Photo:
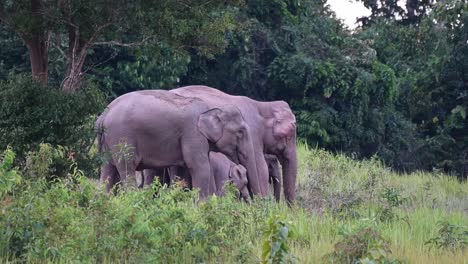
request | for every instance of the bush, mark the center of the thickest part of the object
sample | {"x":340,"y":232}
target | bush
{"x":9,"y":177}
{"x":48,"y":162}
{"x":275,"y":247}
{"x":391,"y":199}
{"x":73,"y":220}
{"x":363,"y":246}
{"x":31,"y":114}
{"x":450,"y":236}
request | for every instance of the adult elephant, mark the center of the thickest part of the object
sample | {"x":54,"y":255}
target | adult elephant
{"x":155,"y":129}
{"x":273,"y":127}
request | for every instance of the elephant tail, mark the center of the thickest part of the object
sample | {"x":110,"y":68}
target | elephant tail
{"x":100,"y":133}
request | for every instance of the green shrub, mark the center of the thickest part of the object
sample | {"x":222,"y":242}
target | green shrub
{"x":48,"y":162}
{"x":362,"y":246}
{"x":9,"y":176}
{"x":391,"y":199}
{"x":275,"y":246}
{"x":31,"y":114}
{"x":74,"y":220}
{"x":450,"y":236}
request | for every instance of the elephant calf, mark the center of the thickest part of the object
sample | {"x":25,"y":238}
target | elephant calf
{"x":224,"y":170}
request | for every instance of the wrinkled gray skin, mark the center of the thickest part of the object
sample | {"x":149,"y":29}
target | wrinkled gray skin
{"x":224,"y":171}
{"x":273,"y":127}
{"x":147,"y":176}
{"x":217,"y":160}
{"x":159,"y":129}
{"x":274,"y":171}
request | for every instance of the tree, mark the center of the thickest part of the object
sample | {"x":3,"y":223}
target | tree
{"x":297,"y":51}
{"x":430,"y":63}
{"x":407,"y":12}
{"x":76,"y":27}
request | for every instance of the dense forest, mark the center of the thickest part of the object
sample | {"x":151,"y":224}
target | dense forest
{"x":378,"y":170}
{"x":395,"y":87}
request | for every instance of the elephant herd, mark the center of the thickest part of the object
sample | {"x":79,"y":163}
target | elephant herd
{"x":205,"y":134}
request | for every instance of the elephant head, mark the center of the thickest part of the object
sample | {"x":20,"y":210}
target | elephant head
{"x":227,"y":129}
{"x":238,"y":176}
{"x":280,"y":139}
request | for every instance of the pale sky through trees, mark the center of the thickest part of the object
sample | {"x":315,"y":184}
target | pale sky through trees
{"x":348,"y":11}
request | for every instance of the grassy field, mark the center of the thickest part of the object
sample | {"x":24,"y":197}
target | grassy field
{"x":346,"y":211}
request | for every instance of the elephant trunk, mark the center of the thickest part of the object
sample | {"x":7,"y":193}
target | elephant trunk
{"x":289,"y":164}
{"x":244,"y":194}
{"x":247,"y":159}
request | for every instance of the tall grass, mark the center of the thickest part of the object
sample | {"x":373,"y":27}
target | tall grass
{"x":73,"y":220}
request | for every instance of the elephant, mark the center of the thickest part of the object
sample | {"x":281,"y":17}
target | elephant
{"x":274,"y":171}
{"x":273,"y":127}
{"x":224,"y":171}
{"x":155,"y":129}
{"x":147,"y":176}
{"x":168,"y":175}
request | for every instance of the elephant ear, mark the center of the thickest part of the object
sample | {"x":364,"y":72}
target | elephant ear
{"x":210,"y":124}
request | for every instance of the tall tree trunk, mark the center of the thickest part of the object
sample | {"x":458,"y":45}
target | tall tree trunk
{"x":39,"y":57}
{"x":37,"y":43}
{"x":74,"y":78}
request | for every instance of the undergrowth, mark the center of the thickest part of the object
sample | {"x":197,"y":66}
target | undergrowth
{"x":347,"y":212}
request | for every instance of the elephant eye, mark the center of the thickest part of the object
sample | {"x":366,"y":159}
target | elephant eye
{"x":240,"y":133}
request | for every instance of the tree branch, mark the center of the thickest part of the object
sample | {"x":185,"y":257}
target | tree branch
{"x":121,"y":44}
{"x":95,"y":65}
{"x":57,"y":46}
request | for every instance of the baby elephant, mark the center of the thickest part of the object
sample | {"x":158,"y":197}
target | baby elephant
{"x":224,"y":170}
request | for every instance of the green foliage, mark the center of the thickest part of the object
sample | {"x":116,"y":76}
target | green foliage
{"x":275,"y":246}
{"x":31,"y":114}
{"x":408,"y":12}
{"x":392,"y":200}
{"x":194,"y":26}
{"x":362,"y":246}
{"x":9,"y":176}
{"x":343,"y":96}
{"x":13,"y":55}
{"x":73,"y":219}
{"x":49,"y":162}
{"x":151,"y":67}
{"x":451,"y":237}
{"x":394,"y":88}
{"x":392,"y":197}
{"x":429,"y":61}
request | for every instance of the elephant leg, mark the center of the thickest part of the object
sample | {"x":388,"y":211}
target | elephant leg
{"x":185,"y":175}
{"x":127,"y":172}
{"x":172,"y":173}
{"x":163,"y":176}
{"x":110,"y":176}
{"x":195,"y":154}
{"x":148,"y":176}
{"x":140,"y":178}
{"x":181,"y":173}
